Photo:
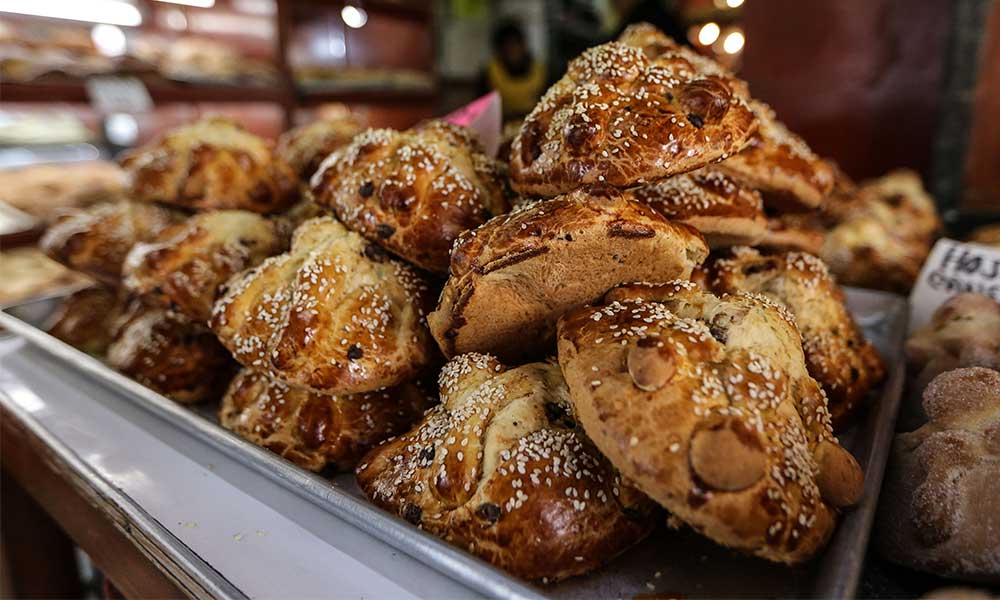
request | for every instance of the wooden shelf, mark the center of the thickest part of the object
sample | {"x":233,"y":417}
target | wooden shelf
{"x":160,"y":90}
{"x":308,"y":96}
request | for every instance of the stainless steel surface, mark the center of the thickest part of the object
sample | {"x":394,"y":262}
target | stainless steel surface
{"x":670,"y":562}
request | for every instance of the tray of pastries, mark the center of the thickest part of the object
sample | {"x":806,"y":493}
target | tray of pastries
{"x":605,"y":367}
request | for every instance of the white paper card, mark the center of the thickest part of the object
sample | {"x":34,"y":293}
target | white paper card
{"x":952,"y":268}
{"x":118,"y":94}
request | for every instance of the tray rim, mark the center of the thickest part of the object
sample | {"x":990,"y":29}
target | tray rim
{"x":832,"y":580}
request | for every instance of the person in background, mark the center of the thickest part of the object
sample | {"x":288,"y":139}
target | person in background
{"x":513,"y":72}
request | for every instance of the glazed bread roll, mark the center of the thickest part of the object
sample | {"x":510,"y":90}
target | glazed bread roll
{"x":305,"y":147}
{"x":501,"y":469}
{"x":86,"y":319}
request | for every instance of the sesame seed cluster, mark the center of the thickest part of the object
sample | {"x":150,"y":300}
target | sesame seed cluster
{"x":501,"y":468}
{"x":837,"y":354}
{"x":704,"y":402}
{"x":211,"y":164}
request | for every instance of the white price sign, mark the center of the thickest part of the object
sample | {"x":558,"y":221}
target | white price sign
{"x":952,"y":268}
{"x":118,"y":94}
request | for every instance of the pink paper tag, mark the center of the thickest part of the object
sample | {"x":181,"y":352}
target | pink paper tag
{"x":482,"y":115}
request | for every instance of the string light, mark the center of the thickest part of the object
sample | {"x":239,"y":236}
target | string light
{"x":733,"y":43}
{"x":708,"y":33}
{"x":353,"y":16}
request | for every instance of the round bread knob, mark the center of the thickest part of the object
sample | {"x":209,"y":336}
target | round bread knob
{"x":839,"y":478}
{"x":649,"y":366}
{"x":727,"y":459}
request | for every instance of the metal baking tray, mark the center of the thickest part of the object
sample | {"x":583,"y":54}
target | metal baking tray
{"x":669,"y":563}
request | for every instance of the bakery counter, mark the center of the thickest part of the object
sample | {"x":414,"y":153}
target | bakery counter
{"x":162,"y":514}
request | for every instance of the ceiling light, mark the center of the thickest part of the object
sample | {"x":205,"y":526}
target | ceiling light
{"x":354,"y":17}
{"x":114,"y":12}
{"x":197,"y":3}
{"x":708,"y":33}
{"x":733,"y":43}
{"x":109,"y":39}
{"x":734,"y":3}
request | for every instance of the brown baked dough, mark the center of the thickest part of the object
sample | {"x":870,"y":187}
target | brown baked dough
{"x":837,"y":354}
{"x":726,"y":212}
{"x":988,"y":235}
{"x":801,"y":232}
{"x":500,"y":468}
{"x":86,"y":318}
{"x":626,"y":114}
{"x":185,"y":265}
{"x":938,"y":505}
{"x":704,"y":403}
{"x":212,"y":164}
{"x":304,"y":148}
{"x":95,"y":240}
{"x":312,"y":430}
{"x":335,"y":314}
{"x":513,"y":277}
{"x":412,"y":191}
{"x":163,"y":350}
{"x":781,"y":165}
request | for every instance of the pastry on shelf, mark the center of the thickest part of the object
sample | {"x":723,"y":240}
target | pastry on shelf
{"x":28,"y":273}
{"x":412,"y":191}
{"x":501,"y":468}
{"x":316,"y":431}
{"x":725,"y":211}
{"x":305,"y":147}
{"x":937,"y":510}
{"x":705,"y":404}
{"x":86,"y":319}
{"x":513,"y":277}
{"x":211,"y":164}
{"x":837,"y":354}
{"x":988,"y":235}
{"x":335,"y":314}
{"x":96,"y":240}
{"x":629,"y":112}
{"x":780,"y":164}
{"x":164,"y":351}
{"x":44,"y":191}
{"x":802,"y":232}
{"x":186,"y":264}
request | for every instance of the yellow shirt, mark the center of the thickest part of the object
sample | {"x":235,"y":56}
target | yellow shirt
{"x":518,"y":95}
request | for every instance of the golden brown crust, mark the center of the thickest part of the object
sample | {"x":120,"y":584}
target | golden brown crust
{"x":335,"y":314}
{"x":412,"y":191}
{"x":726,"y":212}
{"x":166,"y":352}
{"x":625,"y":114}
{"x":499,"y":468}
{"x":86,"y":317}
{"x":304,"y":148}
{"x":781,"y":165}
{"x":513,"y":277}
{"x":211,"y":164}
{"x":988,"y":235}
{"x":837,"y":354}
{"x":704,"y":403}
{"x":938,"y":506}
{"x":802,"y":232}
{"x":185,"y":265}
{"x":316,"y":431}
{"x":96,"y":240}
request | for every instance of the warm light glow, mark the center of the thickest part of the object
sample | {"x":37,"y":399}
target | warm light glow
{"x":109,"y":39}
{"x":194,"y":3}
{"x":175,"y":19}
{"x":354,"y":17}
{"x":115,"y":12}
{"x":733,"y":43}
{"x":708,"y":33}
{"x":734,"y":3}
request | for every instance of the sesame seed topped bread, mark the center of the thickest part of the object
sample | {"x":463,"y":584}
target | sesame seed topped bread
{"x":335,"y":314}
{"x":185,"y":265}
{"x":938,"y":508}
{"x":501,"y":468}
{"x":96,"y":240}
{"x":627,"y":114}
{"x":725,"y":211}
{"x":513,"y":277}
{"x":781,"y":165}
{"x":837,"y":354}
{"x":164,"y":351}
{"x":312,"y":430}
{"x":412,"y":191}
{"x":211,"y":164}
{"x":704,"y":403}
{"x":306,"y":146}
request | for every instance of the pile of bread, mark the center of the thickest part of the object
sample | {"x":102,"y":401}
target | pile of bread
{"x":595,"y":366}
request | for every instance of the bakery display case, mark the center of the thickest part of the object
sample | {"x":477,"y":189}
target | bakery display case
{"x":530,"y":299}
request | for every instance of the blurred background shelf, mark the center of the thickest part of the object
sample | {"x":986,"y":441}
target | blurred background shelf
{"x":160,"y":90}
